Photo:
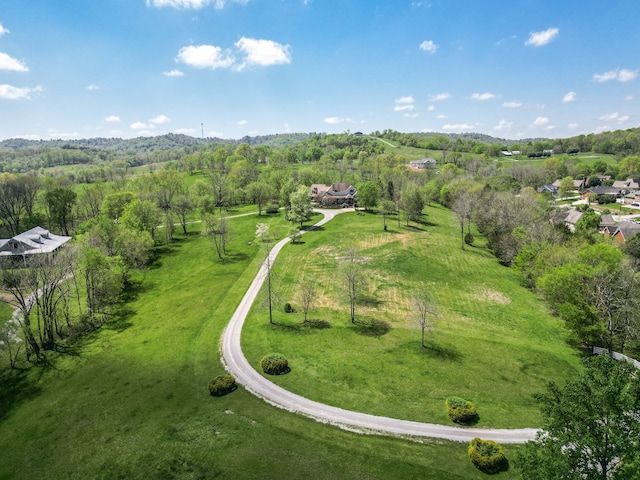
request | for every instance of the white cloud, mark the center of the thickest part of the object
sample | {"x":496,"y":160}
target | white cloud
{"x":112,"y":119}
{"x":621,"y":75}
{"x":336,"y":120}
{"x":63,"y":135}
{"x":263,"y":52}
{"x":431,"y":108}
{"x":141,"y":126}
{"x":503,"y":126}
{"x":205,"y":56}
{"x":540,"y":122}
{"x":458,"y":127}
{"x":482,"y":96}
{"x":442,"y":117}
{"x":429,"y":46}
{"x":404,"y":100}
{"x":569,"y":97}
{"x":512,"y":104}
{"x":9,"y":63}
{"x":185,"y":131}
{"x":9,"y":92}
{"x":629,"y":97}
{"x":609,"y":116}
{"x":242,"y":123}
{"x":195,"y":4}
{"x":159,"y":119}
{"x":538,"y":39}
{"x":173,"y":73}
{"x":411,"y":115}
{"x":438,"y":97}
{"x":572,"y":126}
{"x":3,"y":31}
{"x":403,"y":108}
{"x":93,"y":87}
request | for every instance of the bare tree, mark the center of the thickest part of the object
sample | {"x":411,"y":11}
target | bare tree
{"x":424,"y":310}
{"x":216,"y":228}
{"x":463,"y":206}
{"x":353,"y":278}
{"x":307,"y":294}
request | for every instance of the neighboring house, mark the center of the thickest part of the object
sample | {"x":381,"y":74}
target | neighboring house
{"x":601,"y":190}
{"x":32,"y":242}
{"x":577,"y":184}
{"x":607,"y":221}
{"x":424,"y":164}
{"x":336,"y":195}
{"x":628,"y":185}
{"x":568,"y":218}
{"x":552,"y":189}
{"x":624,"y":231}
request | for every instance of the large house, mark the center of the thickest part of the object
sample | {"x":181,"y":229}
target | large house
{"x":32,"y":242}
{"x":337,"y":195}
{"x":424,"y":164}
{"x":623,"y":231}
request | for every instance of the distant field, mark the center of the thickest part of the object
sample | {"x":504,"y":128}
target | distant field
{"x":494,"y":342}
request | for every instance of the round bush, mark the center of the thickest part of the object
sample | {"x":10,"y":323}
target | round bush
{"x":288,"y":308}
{"x":468,"y":239}
{"x":461,"y":410}
{"x":272,"y":209}
{"x":275,"y":364}
{"x":222,"y":384}
{"x":487,"y":455}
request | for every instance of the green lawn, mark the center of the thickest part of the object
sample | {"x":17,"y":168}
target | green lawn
{"x":130,"y":401}
{"x":494,"y":342}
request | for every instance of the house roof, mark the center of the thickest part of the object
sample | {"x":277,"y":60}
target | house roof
{"x":549,"y":188}
{"x":607,"y":220}
{"x":573,"y":216}
{"x":628,"y":184}
{"x":627,"y":229}
{"x":604,"y":190}
{"x":34,"y":241}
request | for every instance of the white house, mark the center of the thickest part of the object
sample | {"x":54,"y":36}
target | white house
{"x":32,"y":242}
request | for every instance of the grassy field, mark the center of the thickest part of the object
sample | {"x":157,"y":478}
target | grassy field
{"x":130,"y":401}
{"x":493,"y":343}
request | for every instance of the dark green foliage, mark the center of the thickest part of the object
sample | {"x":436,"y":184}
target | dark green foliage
{"x":468,"y":239}
{"x":460,"y":410}
{"x":271,"y":209}
{"x":487,"y":455}
{"x":222,"y":384}
{"x":275,"y":364}
{"x":288,"y":308}
{"x":590,"y":427}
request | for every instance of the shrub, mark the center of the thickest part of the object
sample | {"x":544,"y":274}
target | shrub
{"x":487,"y":455}
{"x":222,"y":384}
{"x":468,"y":239}
{"x":272,"y":209}
{"x":275,"y":364}
{"x":288,"y":308}
{"x":461,"y":410}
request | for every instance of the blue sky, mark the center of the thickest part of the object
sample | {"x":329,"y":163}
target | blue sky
{"x":230,"y":68}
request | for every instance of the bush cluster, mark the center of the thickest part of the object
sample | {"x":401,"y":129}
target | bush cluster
{"x":222,"y":384}
{"x":461,"y":410}
{"x":275,"y":364}
{"x":487,"y":455}
{"x":288,"y":308}
{"x":272,"y":209}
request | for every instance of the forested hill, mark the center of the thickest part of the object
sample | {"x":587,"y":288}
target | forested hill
{"x":169,"y":141}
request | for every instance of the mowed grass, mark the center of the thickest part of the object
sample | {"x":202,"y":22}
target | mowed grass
{"x":130,"y":401}
{"x":493,"y":342}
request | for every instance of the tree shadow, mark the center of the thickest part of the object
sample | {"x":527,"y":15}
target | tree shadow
{"x":439,"y":350}
{"x":15,"y":387}
{"x":317,"y":324}
{"x":372,"y":328}
{"x":369,"y":301}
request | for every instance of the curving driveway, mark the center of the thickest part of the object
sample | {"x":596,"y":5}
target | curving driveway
{"x":236,"y":364}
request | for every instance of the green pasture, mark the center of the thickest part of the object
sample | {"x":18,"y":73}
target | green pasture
{"x":493,"y":342}
{"x":130,"y":400}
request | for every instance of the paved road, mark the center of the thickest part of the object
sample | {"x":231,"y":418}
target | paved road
{"x":236,"y":364}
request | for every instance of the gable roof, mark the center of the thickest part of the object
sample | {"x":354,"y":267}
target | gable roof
{"x":34,"y":241}
{"x":626,"y":230}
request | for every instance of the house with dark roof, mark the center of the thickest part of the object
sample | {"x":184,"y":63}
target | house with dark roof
{"x":337,"y":195}
{"x":624,"y":231}
{"x":607,"y":221}
{"x":36,"y":241}
{"x":601,"y":190}
{"x":552,"y":189}
{"x":569,"y":218}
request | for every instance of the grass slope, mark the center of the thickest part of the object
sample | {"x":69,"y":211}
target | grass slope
{"x":494,"y":342}
{"x":131,"y":401}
